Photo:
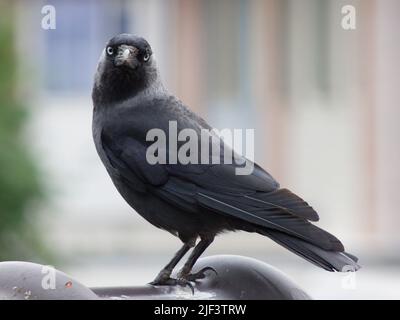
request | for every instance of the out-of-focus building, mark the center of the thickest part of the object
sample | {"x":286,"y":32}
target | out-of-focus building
{"x":323,"y":101}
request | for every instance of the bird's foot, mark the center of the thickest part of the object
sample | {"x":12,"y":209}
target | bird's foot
{"x":192,"y":277}
{"x":173,"y":282}
{"x":183,"y":279}
{"x":164,"y":279}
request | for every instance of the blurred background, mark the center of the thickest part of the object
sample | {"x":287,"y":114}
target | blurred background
{"x":324,"y":103}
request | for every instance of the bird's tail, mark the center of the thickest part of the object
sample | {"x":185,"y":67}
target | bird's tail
{"x":328,"y":260}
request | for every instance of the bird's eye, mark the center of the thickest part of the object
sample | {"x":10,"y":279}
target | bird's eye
{"x":110,"y":51}
{"x":146,"y":57}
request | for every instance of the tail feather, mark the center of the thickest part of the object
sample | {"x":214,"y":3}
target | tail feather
{"x":245,"y":208}
{"x":285,"y":200}
{"x":328,"y":260}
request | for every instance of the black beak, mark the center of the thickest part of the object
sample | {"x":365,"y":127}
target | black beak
{"x":126,"y":56}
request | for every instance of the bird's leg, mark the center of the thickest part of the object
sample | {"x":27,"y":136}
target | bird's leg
{"x":184,"y":273}
{"x":164,"y":276}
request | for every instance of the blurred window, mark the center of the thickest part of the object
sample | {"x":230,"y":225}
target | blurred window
{"x":73,"y":48}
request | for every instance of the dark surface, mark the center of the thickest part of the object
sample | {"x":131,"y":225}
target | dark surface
{"x":237,"y":278}
{"x":23,"y":281}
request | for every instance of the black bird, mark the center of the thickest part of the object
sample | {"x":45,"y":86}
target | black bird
{"x":191,"y":201}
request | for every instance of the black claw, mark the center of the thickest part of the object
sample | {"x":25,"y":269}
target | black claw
{"x":209,"y":269}
{"x":200,"y":274}
{"x":156,"y":283}
{"x":162,"y":278}
{"x":173,"y":282}
{"x":184,"y":282}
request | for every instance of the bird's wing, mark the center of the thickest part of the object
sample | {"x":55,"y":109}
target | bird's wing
{"x":128,"y":157}
{"x":279,"y":210}
{"x":254,"y":198}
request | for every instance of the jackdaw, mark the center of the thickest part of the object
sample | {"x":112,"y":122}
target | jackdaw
{"x":190,"y":200}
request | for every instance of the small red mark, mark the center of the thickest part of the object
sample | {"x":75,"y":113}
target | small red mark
{"x":68,"y":284}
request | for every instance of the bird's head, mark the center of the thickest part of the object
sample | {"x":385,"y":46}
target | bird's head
{"x":126,"y":66}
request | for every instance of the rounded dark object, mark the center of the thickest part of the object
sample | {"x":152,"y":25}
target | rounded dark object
{"x":30,"y":281}
{"x":234,"y":278}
